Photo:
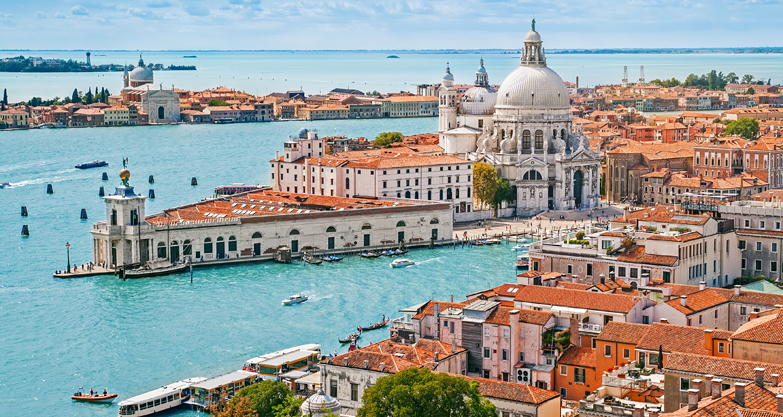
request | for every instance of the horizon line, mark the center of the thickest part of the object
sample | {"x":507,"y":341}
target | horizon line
{"x":572,"y":50}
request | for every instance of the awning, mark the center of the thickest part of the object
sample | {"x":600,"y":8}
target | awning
{"x":569,"y":310}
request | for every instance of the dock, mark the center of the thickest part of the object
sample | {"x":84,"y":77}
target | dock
{"x":84,"y":273}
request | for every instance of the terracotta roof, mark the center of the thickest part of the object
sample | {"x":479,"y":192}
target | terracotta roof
{"x":576,"y":298}
{"x":638,"y":255}
{"x":620,"y":332}
{"x":684,"y":237}
{"x":765,"y":329}
{"x":396,"y":356}
{"x":612,"y":234}
{"x":534,"y":317}
{"x":663,"y":214}
{"x":512,"y":391}
{"x":698,"y":301}
{"x":573,"y":286}
{"x":720,"y":367}
{"x":673,"y":338}
{"x":756,"y":398}
{"x":578,"y":356}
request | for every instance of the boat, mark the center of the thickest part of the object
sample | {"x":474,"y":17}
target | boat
{"x":189,"y":56}
{"x":351,"y":337}
{"x":235,"y":189}
{"x":390,"y":252}
{"x":295,"y":299}
{"x":376,"y":325}
{"x":331,"y":258}
{"x":155,"y":269}
{"x":392,"y":56}
{"x":369,"y":254}
{"x":94,"y":164}
{"x":401,"y":251}
{"x":159,"y":399}
{"x":401,"y":263}
{"x":93,"y":398}
{"x":4,"y":184}
{"x":309,"y":258}
{"x":272,"y":365}
{"x":523,"y":261}
{"x":522,"y":248}
{"x":493,"y":241}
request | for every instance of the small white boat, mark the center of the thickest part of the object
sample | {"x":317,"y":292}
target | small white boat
{"x":402,"y":263}
{"x":295,"y":299}
{"x":160,"y":399}
{"x":523,"y":261}
{"x":522,"y":248}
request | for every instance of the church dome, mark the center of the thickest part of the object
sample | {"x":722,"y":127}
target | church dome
{"x":533,"y":87}
{"x":141,"y":74}
{"x":320,"y":404}
{"x":478,"y":101}
{"x":532,"y":36}
{"x":448,"y":76}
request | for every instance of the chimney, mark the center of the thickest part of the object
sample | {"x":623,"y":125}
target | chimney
{"x":702,"y":285}
{"x":775,"y":380}
{"x":664,"y":321}
{"x":739,"y":393}
{"x":638,"y":411}
{"x":383,"y":366}
{"x":345,"y":361}
{"x":737,"y":290}
{"x":693,"y":399}
{"x":708,"y":340}
{"x":684,"y":300}
{"x":697,"y":387}
{"x":603,"y":278}
{"x":366,"y":364}
{"x":717,"y":387}
{"x":453,"y":345}
{"x":437,"y":356}
{"x":753,"y":315}
{"x":780,"y":402}
{"x":759,"y":379}
{"x":653,"y":412}
{"x":515,"y":340}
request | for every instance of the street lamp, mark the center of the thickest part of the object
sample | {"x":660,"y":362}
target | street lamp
{"x":68,"y":248}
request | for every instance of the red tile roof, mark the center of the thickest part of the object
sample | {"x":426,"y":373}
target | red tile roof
{"x":684,"y":237}
{"x":698,"y":301}
{"x":578,"y":356}
{"x":395,"y":356}
{"x":765,"y":329}
{"x":673,"y":338}
{"x":638,"y":255}
{"x":620,"y":332}
{"x":576,"y":298}
{"x":511,"y":391}
{"x":720,"y":367}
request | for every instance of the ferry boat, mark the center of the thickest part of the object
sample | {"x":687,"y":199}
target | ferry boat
{"x":235,"y":189}
{"x":523,"y":261}
{"x":272,"y":365}
{"x":160,"y":399}
{"x":401,"y":263}
{"x":94,"y":164}
{"x":295,"y":299}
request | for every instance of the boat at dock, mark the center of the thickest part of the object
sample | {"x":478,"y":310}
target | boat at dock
{"x":156,"y":269}
{"x":272,"y":365}
{"x":93,"y":398}
{"x":331,"y":258}
{"x":375,"y":326}
{"x":159,"y":399}
{"x":311,"y":259}
{"x":401,"y":263}
{"x":295,"y":299}
{"x":369,"y":254}
{"x":522,"y":248}
{"x":93,"y":164}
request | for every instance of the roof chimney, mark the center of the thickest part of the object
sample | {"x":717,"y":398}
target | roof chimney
{"x":717,"y":387}
{"x":664,"y":321}
{"x":739,"y":393}
{"x":684,"y":300}
{"x":383,"y":366}
{"x":697,"y":387}
{"x":437,"y":356}
{"x":780,"y":402}
{"x":453,"y":345}
{"x":653,"y":412}
{"x":759,"y":379}
{"x":366,"y":364}
{"x":693,"y":399}
{"x":708,"y":340}
{"x":753,"y":315}
{"x":638,"y":411}
{"x":702,"y":285}
{"x":345,"y":361}
{"x":775,"y":380}
{"x":737,"y":290}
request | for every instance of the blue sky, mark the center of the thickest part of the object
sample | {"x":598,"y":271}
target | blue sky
{"x":389,"y":24}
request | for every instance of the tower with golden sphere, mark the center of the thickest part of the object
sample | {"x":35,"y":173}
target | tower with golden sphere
{"x":125,"y":243}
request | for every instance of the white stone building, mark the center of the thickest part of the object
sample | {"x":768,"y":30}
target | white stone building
{"x":162,"y":105}
{"x":524,"y":131}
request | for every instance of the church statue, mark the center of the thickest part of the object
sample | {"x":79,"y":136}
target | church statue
{"x":533,"y":25}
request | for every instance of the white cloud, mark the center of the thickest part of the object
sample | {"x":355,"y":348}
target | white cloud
{"x":79,"y":11}
{"x":59,"y":15}
{"x":143,"y":13}
{"x":40,"y":15}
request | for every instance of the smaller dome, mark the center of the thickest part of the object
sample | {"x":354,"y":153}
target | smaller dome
{"x":320,"y":404}
{"x":448,"y":76}
{"x":478,"y":101}
{"x":303,"y":133}
{"x":532,"y":36}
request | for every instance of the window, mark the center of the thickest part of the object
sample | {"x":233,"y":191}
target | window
{"x":721,"y":347}
{"x":521,"y":356}
{"x":761,"y":224}
{"x":667,"y":276}
{"x":563,"y":392}
{"x":773,"y":266}
{"x":354,"y":392}
{"x":487,"y":353}
{"x":744,"y":263}
{"x":333,"y":388}
{"x":504,"y":354}
{"x":579,"y":375}
{"x":743,"y":311}
{"x":506,"y":333}
{"x":608,"y":351}
{"x":621,"y":271}
{"x":605,"y":244}
{"x":747,"y":223}
{"x":563,"y":370}
{"x":758,"y":265}
{"x":208,"y":245}
{"x":486,"y":331}
{"x":774,"y":247}
{"x":626,"y":353}
{"x":758,"y":246}
{"x":570,"y":269}
{"x":589,"y":270}
{"x":384,"y":184}
{"x":645,"y":319}
{"x":685,"y":384}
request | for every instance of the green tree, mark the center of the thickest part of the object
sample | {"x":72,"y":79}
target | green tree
{"x":485,"y":182}
{"x":418,"y":393}
{"x":5,"y":96}
{"x":385,"y":139}
{"x":504,"y":192}
{"x":217,"y":102}
{"x":264,"y":396}
{"x":603,"y":184}
{"x":747,"y":79}
{"x":87,"y":99}
{"x":75,"y":96}
{"x":747,"y":128}
{"x":240,"y":408}
{"x":732,"y":78}
{"x":289,"y":407}
{"x":374,"y":93}
{"x":750,"y":91}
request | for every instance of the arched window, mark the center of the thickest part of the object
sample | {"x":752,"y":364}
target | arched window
{"x":539,"y":140}
{"x":407,"y":194}
{"x":563,"y":134}
{"x":399,"y":195}
{"x":400,"y":223}
{"x":257,"y":235}
{"x":434,"y":220}
{"x":161,"y":250}
{"x":448,"y":194}
{"x":208,"y":245}
{"x":232,"y":244}
{"x":532,"y":175}
{"x":294,"y":232}
{"x":347,"y":183}
{"x":187,"y":247}
{"x":526,"y":140}
{"x":331,"y":229}
{"x":366,"y":226}
{"x":161,"y":113}
{"x":429,"y":195}
{"x":456,"y":193}
{"x":502,"y":134}
{"x":554,"y":134}
{"x":511,"y":133}
{"x":416,"y":195}
{"x":441,"y":194}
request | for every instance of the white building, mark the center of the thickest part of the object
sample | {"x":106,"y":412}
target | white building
{"x":162,"y":105}
{"x":524,"y":131}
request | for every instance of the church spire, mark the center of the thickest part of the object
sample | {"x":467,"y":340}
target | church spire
{"x":141,"y":61}
{"x":482,"y":78}
{"x":533,"y":54}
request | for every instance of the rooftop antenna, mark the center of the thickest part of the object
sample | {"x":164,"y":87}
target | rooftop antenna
{"x":641,"y":75}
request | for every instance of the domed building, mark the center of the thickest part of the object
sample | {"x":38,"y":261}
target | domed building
{"x":156,"y":104}
{"x":138,"y":76}
{"x":525,"y":134}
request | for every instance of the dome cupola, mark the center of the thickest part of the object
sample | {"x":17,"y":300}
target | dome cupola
{"x":448,"y":78}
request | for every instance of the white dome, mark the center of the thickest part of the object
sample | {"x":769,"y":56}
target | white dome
{"x":532,"y":36}
{"x":533,"y":87}
{"x":448,"y":76}
{"x":320,"y":404}
{"x":478,"y":100}
{"x":141,"y":74}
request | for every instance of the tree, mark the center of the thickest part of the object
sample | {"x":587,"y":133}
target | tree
{"x":747,"y":79}
{"x":240,"y":408}
{"x":418,"y":393}
{"x":485,"y":182}
{"x":374,"y":93}
{"x":504,"y":192}
{"x":289,"y":408}
{"x":5,"y":96}
{"x":750,"y":91}
{"x":264,"y":396}
{"x":217,"y":102}
{"x":603,"y":184}
{"x":732,"y":78}
{"x":384,"y":139}
{"x":747,"y":128}
{"x":75,"y":96}
{"x":87,"y":99}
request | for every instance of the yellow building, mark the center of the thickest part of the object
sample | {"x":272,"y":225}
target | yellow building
{"x":14,"y":118}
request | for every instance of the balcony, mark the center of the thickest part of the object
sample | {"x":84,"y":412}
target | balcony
{"x":401,"y":324}
{"x":590,"y":327}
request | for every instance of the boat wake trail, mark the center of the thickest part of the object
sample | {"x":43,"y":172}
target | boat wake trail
{"x":19,"y":166}
{"x":429,"y":261}
{"x":52,"y":178}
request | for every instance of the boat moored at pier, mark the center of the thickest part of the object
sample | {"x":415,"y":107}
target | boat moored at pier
{"x":160,"y":399}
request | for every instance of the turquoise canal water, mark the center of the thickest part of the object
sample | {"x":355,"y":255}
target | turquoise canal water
{"x":130,"y":337}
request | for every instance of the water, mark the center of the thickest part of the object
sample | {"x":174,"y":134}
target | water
{"x":130,"y":337}
{"x":320,"y":71}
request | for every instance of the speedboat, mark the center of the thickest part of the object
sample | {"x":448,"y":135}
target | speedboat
{"x":369,"y":254}
{"x":295,"y":299}
{"x":94,"y":164}
{"x":93,"y":398}
{"x":493,"y":241}
{"x":402,"y":263}
{"x":4,"y":184}
{"x":160,"y":399}
{"x":523,"y":261}
{"x":522,"y":248}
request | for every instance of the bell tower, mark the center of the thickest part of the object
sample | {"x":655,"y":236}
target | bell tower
{"x":447,"y":104}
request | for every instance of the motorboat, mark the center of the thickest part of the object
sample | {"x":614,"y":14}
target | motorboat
{"x":369,"y":254}
{"x":493,"y":241}
{"x":401,"y":251}
{"x":375,"y":326}
{"x":159,"y":399}
{"x":523,"y":261}
{"x":522,"y":248}
{"x":295,"y":299}
{"x":402,"y":263}
{"x":93,"y":398}
{"x":4,"y":184}
{"x":390,"y":252}
{"x":94,"y":164}
{"x":331,"y":258}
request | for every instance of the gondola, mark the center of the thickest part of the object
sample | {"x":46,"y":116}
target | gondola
{"x":369,"y":254}
{"x":351,"y":338}
{"x":331,"y":258}
{"x":309,"y":258}
{"x":375,"y":326}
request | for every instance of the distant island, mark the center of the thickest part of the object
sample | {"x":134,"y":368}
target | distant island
{"x":758,"y":50}
{"x":37,"y":64}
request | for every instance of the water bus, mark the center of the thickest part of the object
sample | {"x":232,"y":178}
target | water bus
{"x":159,"y":399}
{"x":272,"y":365}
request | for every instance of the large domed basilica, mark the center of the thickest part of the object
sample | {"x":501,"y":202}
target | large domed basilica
{"x":524,"y":131}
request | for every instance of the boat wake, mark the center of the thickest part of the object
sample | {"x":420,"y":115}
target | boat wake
{"x":54,"y":177}
{"x":19,"y":166}
{"x":428,"y":261}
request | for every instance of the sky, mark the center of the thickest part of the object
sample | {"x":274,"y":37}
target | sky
{"x":388,"y":24}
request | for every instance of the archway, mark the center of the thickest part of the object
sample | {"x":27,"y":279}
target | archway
{"x":551,"y":197}
{"x":221,"y":248}
{"x":174,"y":252}
{"x":256,"y":243}
{"x":578,"y":179}
{"x":161,"y":113}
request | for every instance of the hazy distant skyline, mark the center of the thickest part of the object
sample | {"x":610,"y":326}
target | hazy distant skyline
{"x":390,"y":24}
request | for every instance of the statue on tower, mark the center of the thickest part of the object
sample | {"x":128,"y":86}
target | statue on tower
{"x":533,"y":25}
{"x":125,"y":176}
